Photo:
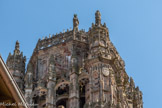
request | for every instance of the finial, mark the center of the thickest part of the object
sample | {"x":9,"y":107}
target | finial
{"x":17,"y":45}
{"x":92,"y":24}
{"x":131,"y":79}
{"x":75,"y":22}
{"x":17,"y":50}
{"x":97,"y":18}
{"x":131,"y":82}
{"x":104,"y":25}
{"x":137,"y":88}
{"x":21,"y":53}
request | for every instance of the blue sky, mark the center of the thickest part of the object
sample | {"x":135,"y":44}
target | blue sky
{"x":135,"y":28}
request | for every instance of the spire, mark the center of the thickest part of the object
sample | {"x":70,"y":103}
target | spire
{"x":97,"y":18}
{"x":137,"y":88}
{"x":75,"y":22}
{"x":17,"y":48}
{"x":17,"y":68}
{"x":132,"y":82}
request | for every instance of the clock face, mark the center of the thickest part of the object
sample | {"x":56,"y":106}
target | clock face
{"x":105,"y":71}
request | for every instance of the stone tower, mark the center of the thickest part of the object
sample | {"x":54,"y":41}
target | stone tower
{"x":78,"y":69}
{"x":16,"y":65}
{"x":100,"y":66}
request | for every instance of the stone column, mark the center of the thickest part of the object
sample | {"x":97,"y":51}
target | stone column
{"x":74,"y":85}
{"x":50,"y":99}
{"x":74,"y":91}
{"x":50,"y":94}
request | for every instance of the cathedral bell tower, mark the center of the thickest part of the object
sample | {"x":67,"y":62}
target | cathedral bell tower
{"x":98,"y":38}
{"x":99,"y":65}
{"x":16,"y":65}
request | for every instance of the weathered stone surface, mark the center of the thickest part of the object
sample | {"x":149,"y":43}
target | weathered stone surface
{"x":77,"y":69}
{"x":16,"y":65}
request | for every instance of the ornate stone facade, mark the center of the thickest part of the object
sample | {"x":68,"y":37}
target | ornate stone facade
{"x":78,"y":69}
{"x":16,"y":65}
{"x":10,"y":94}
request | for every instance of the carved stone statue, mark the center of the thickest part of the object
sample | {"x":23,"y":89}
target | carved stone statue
{"x":75,"y":22}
